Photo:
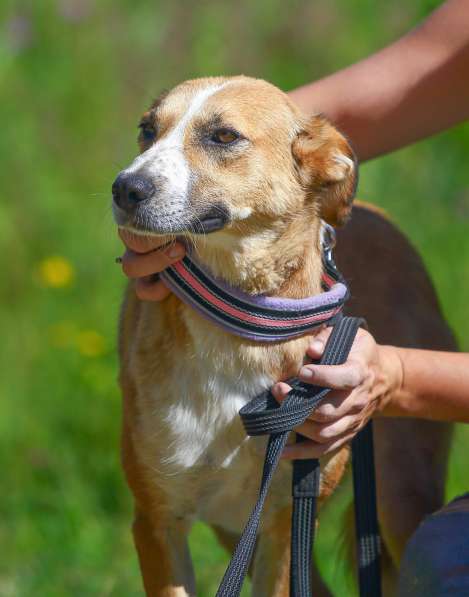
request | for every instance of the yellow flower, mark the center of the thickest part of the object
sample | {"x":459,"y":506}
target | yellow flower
{"x":56,"y":272}
{"x":90,"y":343}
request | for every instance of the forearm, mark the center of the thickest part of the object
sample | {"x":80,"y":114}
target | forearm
{"x":430,"y":384}
{"x":377,"y":380}
{"x":415,"y":87}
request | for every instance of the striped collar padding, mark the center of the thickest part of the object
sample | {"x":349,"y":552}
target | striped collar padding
{"x":255,"y":317}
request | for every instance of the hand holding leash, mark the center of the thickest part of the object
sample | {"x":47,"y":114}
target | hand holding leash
{"x":361,"y":387}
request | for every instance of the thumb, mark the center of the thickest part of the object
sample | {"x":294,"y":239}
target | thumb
{"x":317,"y":344}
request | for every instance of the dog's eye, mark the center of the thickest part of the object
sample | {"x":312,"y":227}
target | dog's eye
{"x":147,"y":131}
{"x":224,"y":136}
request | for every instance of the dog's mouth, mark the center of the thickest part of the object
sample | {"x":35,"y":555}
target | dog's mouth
{"x":208,"y":225}
{"x":214,"y":219}
{"x":211,"y":220}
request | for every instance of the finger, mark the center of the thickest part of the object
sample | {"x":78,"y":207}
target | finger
{"x":151,"y":290}
{"x":335,"y":405}
{"x":140,"y":243}
{"x":340,"y":403}
{"x":338,"y":377}
{"x":318,"y":343}
{"x":323,"y":433}
{"x":331,"y":431}
{"x":280,"y":390}
{"x":137,"y":265}
{"x":310,"y":449}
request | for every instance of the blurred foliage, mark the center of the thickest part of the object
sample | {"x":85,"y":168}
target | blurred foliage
{"x":74,"y":77}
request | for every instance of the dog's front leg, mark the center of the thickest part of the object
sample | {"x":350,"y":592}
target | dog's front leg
{"x":164,"y":556}
{"x":270,"y":575}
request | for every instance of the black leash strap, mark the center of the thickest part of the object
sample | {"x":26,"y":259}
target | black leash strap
{"x":263,"y":416}
{"x":366,"y":516}
{"x":305,"y":490}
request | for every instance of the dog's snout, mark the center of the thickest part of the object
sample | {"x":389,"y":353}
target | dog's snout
{"x":128,"y":190}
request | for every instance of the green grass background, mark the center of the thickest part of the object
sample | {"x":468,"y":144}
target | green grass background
{"x":74,"y":78}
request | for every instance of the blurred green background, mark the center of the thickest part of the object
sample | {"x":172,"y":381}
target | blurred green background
{"x":74,"y":78}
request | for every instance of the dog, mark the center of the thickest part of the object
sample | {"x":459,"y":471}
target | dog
{"x":235,"y":169}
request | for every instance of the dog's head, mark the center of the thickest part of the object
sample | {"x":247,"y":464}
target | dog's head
{"x":232,"y":156}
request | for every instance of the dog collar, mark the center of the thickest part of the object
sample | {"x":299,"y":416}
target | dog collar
{"x":256,"y":317}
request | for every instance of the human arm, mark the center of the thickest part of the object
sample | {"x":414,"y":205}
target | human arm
{"x":413,"y":88}
{"x":379,"y":380}
{"x":435,"y":386}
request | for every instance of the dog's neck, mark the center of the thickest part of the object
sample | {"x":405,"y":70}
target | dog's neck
{"x":284,"y":261}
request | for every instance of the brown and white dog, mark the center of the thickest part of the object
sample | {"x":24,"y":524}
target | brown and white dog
{"x":235,"y":157}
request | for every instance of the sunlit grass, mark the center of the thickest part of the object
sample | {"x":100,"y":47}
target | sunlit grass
{"x":74,"y":78}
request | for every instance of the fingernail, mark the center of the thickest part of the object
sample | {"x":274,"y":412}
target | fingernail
{"x":175,"y":252}
{"x":118,"y":260}
{"x":306,"y":373}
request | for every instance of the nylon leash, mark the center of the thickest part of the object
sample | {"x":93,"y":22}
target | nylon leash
{"x":263,"y":416}
{"x":366,"y":516}
{"x":305,"y":491}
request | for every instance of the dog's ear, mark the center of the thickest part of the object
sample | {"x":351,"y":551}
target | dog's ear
{"x":327,"y":168}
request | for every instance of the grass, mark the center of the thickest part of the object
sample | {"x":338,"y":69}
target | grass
{"x":74,"y":78}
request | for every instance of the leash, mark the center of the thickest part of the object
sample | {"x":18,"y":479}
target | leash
{"x":270,"y":319}
{"x":263,"y":416}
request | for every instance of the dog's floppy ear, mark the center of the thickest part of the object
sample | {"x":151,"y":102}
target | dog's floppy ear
{"x":327,"y":167}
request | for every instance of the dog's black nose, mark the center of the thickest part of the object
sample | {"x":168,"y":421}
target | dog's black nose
{"x":130,"y":189}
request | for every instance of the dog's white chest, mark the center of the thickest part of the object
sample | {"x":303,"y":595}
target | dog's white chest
{"x":209,"y":467}
{"x":202,"y":420}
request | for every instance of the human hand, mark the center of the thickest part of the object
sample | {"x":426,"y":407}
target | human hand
{"x":146,"y":256}
{"x":360,"y":386}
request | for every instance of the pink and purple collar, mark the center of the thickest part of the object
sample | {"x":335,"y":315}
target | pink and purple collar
{"x":259,"y":317}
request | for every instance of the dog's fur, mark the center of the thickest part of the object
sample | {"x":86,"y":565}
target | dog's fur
{"x":185,"y":453}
